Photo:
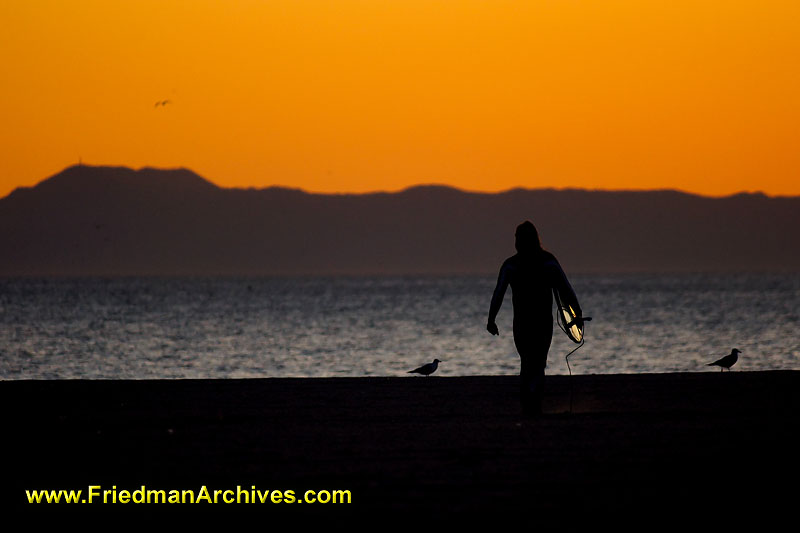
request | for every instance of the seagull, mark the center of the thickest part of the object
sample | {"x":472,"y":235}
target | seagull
{"x":728,"y":361}
{"x":426,"y":370}
{"x":163,"y":103}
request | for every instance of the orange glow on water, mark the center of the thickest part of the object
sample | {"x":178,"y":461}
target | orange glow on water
{"x":360,"y":95}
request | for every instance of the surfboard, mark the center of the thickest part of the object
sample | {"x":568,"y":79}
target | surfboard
{"x":570,"y":322}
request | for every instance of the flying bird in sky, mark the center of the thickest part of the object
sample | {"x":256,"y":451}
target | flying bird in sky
{"x":162,"y":103}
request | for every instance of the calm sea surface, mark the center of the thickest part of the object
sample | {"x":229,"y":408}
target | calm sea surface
{"x":309,"y":327}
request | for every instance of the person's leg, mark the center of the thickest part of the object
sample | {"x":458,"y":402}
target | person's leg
{"x":526,"y":382}
{"x":532,"y":344}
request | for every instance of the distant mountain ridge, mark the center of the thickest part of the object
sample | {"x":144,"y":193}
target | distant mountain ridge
{"x":113,"y":221}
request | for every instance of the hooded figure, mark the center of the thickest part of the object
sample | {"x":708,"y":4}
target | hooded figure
{"x":533,"y":274}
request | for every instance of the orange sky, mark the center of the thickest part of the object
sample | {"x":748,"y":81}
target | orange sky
{"x":364,"y":95}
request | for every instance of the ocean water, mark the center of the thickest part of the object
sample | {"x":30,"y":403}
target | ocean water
{"x":145,"y":328}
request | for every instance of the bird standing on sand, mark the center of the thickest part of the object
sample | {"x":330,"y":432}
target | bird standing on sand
{"x":426,"y":370}
{"x":728,"y":361}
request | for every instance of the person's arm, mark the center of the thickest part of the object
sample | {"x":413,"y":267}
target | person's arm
{"x":561,"y":284}
{"x":497,"y":300}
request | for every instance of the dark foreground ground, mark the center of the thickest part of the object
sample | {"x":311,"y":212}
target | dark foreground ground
{"x":637,"y":450}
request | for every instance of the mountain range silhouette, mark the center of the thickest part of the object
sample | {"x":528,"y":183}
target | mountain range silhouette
{"x":110,"y":221}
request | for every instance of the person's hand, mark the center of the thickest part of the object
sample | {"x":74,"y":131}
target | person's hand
{"x":491,"y":327}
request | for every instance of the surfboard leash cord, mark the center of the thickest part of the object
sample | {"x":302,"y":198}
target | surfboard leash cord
{"x":560,"y":321}
{"x":570,"y":372}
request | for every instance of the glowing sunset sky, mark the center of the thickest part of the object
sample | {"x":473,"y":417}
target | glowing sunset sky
{"x":364,"y":95}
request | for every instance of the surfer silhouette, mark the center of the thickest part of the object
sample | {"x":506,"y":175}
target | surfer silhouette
{"x":533,"y":274}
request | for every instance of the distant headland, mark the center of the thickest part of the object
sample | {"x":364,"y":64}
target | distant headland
{"x":111,"y":221}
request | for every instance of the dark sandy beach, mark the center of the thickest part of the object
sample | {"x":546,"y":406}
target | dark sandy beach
{"x":659,"y":447}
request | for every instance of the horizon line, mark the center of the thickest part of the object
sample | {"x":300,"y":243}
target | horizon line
{"x":407,"y":188}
